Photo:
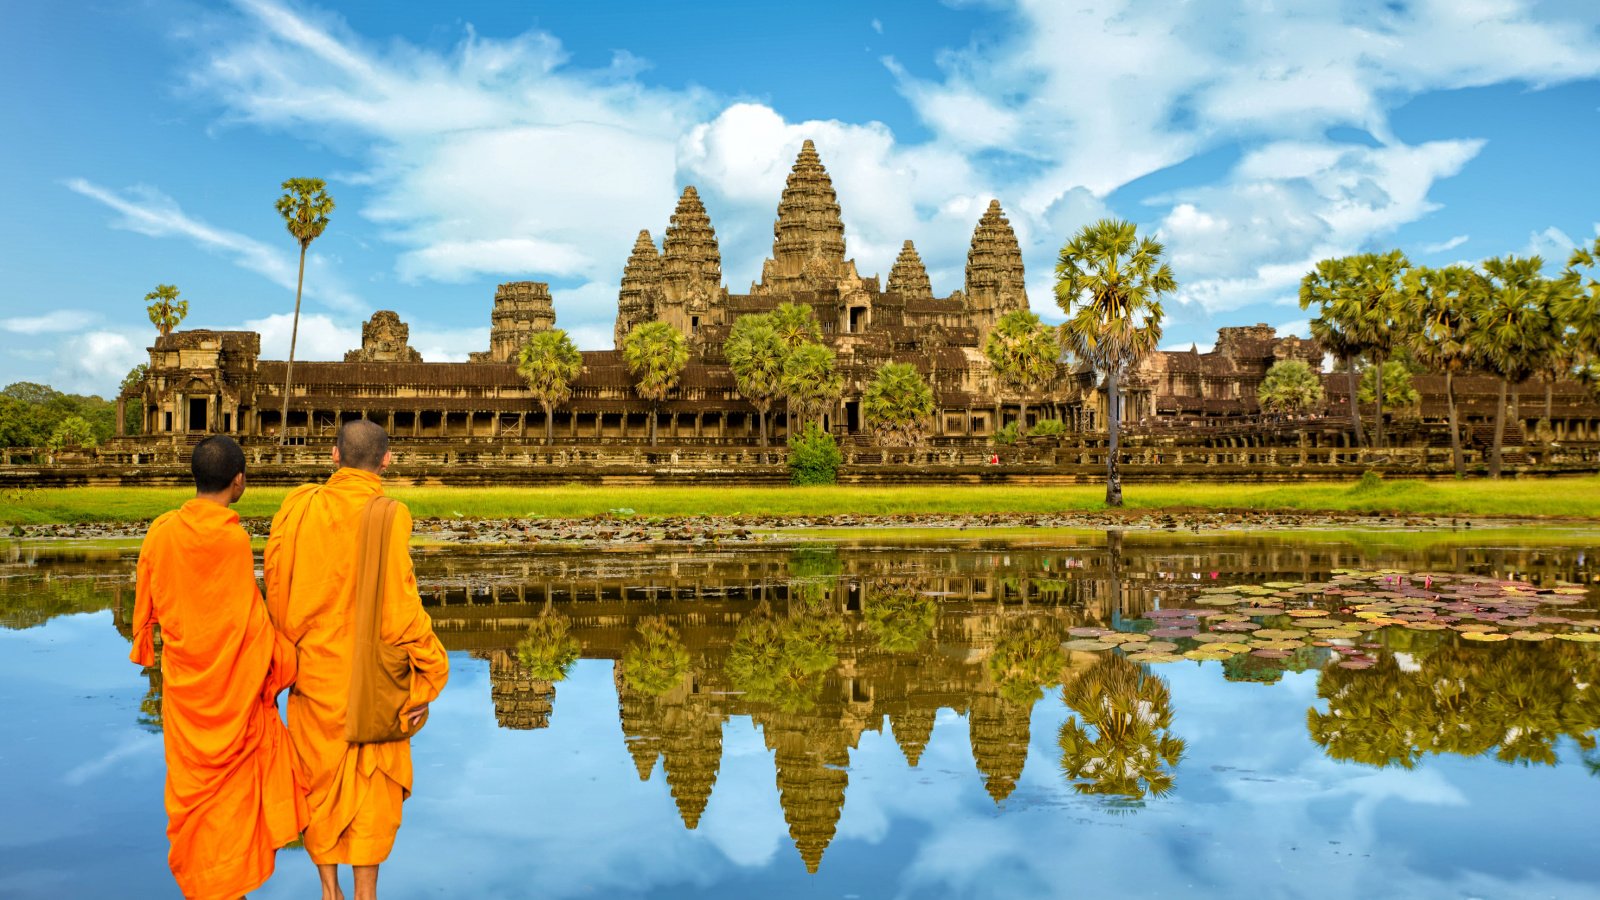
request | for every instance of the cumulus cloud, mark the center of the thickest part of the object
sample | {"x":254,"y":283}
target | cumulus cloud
{"x":319,"y":337}
{"x":49,"y":323}
{"x":1446,"y":245}
{"x":147,"y":211}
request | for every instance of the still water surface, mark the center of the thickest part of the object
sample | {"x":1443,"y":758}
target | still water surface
{"x":860,"y":719}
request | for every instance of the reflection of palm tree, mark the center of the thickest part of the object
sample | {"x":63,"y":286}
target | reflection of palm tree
{"x":549,"y":650}
{"x":1132,"y":751}
{"x":1027,"y":657}
{"x":150,"y":706}
{"x":658,"y":662}
{"x":782,"y":663}
{"x":1373,"y":716}
{"x":901,"y":621}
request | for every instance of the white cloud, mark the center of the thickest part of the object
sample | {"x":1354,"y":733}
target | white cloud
{"x":877,"y":25}
{"x":49,"y":323}
{"x":1446,"y":245}
{"x":93,"y":362}
{"x":149,"y":212}
{"x":1552,"y":245}
{"x":319,"y":337}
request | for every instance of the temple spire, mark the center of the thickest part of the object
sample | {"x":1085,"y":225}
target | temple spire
{"x":808,"y":236}
{"x":641,"y":286}
{"x":689,"y":253}
{"x":994,"y":268}
{"x":908,"y":277}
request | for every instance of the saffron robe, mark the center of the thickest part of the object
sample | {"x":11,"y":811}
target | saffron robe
{"x":231,"y":797}
{"x":355,"y":791}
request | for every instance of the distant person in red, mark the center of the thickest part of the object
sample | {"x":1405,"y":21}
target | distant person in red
{"x":994,"y":459}
{"x":231,"y":795}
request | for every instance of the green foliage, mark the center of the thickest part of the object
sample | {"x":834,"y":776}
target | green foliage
{"x":1022,"y":352}
{"x":814,"y":457}
{"x":656,"y":354}
{"x":1290,"y":386}
{"x":166,"y":310}
{"x":1120,"y":741}
{"x":796,"y":324}
{"x":1370,"y":481}
{"x":305,"y":205}
{"x":1048,"y":428}
{"x":811,"y":382}
{"x":901,"y":621}
{"x":72,"y":432}
{"x":755,"y":353}
{"x":897,"y":405}
{"x":549,"y":363}
{"x":1027,"y":657}
{"x":1511,"y":335}
{"x":549,"y":650}
{"x":1006,"y":434}
{"x":784,"y":662}
{"x":1398,"y":392}
{"x":31,"y":414}
{"x":657,"y":662}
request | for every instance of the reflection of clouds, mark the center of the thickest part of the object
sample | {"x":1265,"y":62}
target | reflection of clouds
{"x":743,"y":819}
{"x":131,"y":745}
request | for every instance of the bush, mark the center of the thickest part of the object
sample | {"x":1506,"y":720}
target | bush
{"x":814,"y":457}
{"x":1007,"y":434}
{"x":1370,"y":481}
{"x":1048,"y":428}
{"x":73,"y":431}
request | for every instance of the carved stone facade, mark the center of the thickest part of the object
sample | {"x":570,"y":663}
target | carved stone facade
{"x":384,"y":338}
{"x":521,"y":309}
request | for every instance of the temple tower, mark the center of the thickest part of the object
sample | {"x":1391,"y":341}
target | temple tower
{"x":691,"y":268}
{"x":994,"y":270}
{"x":641,"y":286}
{"x":998,"y":730}
{"x":808,"y":236}
{"x":908,"y":277}
{"x":384,"y":338}
{"x":521,"y":309}
{"x":912,"y":731}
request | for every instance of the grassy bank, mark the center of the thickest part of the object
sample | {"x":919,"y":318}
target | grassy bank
{"x":1563,"y":497}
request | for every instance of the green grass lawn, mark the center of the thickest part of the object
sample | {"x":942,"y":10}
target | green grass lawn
{"x":1563,"y":497}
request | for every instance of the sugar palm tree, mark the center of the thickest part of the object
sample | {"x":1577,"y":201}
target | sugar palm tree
{"x":1511,"y":332}
{"x":1394,"y":380}
{"x":1443,"y":303}
{"x":1366,"y":294}
{"x":166,"y":310}
{"x":656,"y":354}
{"x":796,"y":324}
{"x":755,"y":355}
{"x":1022,"y":353}
{"x":897,"y":405}
{"x":1110,"y":282}
{"x":657,"y":662}
{"x":1131,"y":751}
{"x":1330,"y":334}
{"x":549,"y":363}
{"x":305,"y":205}
{"x":1289,"y":387}
{"x":811,"y":382}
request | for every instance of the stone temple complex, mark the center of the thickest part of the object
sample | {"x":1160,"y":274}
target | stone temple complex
{"x":211,"y":381}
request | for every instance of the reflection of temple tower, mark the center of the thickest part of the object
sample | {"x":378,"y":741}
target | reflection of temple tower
{"x":685,"y":731}
{"x":999,"y":734}
{"x":912,"y":730}
{"x":812,"y":764}
{"x":521,"y":702}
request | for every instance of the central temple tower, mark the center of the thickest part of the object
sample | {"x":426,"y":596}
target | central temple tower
{"x":808,"y":236}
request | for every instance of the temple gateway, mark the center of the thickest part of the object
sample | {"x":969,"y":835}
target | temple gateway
{"x":215,"y":381}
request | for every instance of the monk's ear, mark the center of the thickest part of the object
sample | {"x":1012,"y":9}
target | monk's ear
{"x":236,"y":490}
{"x":336,"y":454}
{"x":388,"y":460}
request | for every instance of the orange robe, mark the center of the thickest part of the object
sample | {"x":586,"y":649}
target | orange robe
{"x":231,"y":797}
{"x":355,"y":790}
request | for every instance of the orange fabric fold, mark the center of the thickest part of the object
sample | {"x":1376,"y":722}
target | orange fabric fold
{"x":354,"y":791}
{"x":231,"y":796}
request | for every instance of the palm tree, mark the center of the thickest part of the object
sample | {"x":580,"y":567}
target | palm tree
{"x":1132,"y":751}
{"x":166,"y":310}
{"x":657,"y":663}
{"x":1289,"y":387}
{"x":1023,"y":355}
{"x":549,"y":363}
{"x":897,"y":405}
{"x":1510,"y":334}
{"x":656,"y":354}
{"x":1395,"y":378}
{"x":1109,"y":282}
{"x":796,"y":324}
{"x":1442,"y":304}
{"x":755,"y":354}
{"x":1366,"y":293}
{"x":548,"y":650}
{"x":811,"y":382}
{"x":305,"y":205}
{"x":1330,"y":334}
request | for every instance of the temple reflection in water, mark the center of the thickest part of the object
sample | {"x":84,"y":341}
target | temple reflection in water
{"x":818,"y":645}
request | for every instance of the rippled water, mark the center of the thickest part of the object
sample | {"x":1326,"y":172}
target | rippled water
{"x":917,"y":719}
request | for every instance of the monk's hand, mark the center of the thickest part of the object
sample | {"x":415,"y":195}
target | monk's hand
{"x":415,"y":713}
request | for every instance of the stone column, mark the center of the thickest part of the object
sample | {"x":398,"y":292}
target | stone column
{"x":522,"y":426}
{"x":122,"y":416}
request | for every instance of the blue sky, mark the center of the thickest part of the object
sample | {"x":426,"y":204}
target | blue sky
{"x":474,"y":143}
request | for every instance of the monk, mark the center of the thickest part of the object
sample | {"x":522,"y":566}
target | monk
{"x":231,"y":796}
{"x":354,"y":790}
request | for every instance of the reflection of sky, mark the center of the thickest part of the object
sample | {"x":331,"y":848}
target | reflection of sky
{"x":560,"y":812}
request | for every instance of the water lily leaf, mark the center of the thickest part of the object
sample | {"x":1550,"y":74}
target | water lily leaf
{"x":1581,"y":637}
{"x":1280,"y":634}
{"x":1087,"y":645}
{"x":1532,"y":636}
{"x":1207,"y":654}
{"x":1484,"y":636}
{"x":1154,"y":657}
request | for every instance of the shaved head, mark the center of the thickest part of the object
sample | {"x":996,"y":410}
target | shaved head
{"x":216,"y":462}
{"x":362,"y":444}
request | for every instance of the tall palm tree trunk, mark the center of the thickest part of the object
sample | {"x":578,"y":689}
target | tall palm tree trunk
{"x":1355,"y":406}
{"x":1113,"y":419}
{"x":294,"y":336}
{"x":1499,"y":430}
{"x":761,"y":417}
{"x":655,"y":414}
{"x":1022,"y":416}
{"x":549,"y":425}
{"x":1455,"y":429}
{"x":1549,"y":389}
{"x":1377,"y":415}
